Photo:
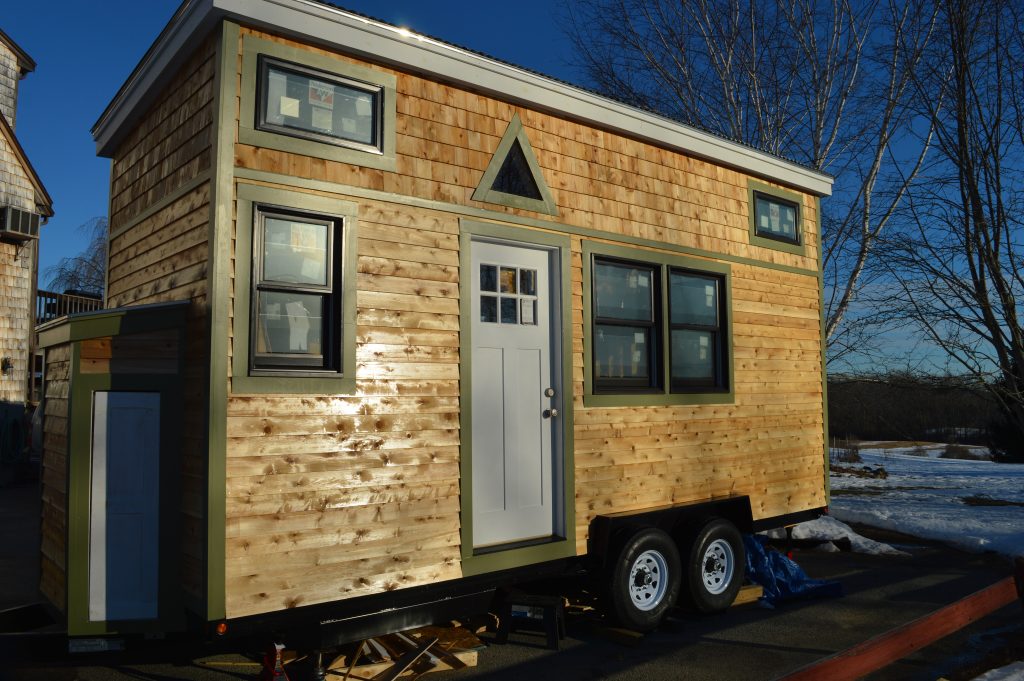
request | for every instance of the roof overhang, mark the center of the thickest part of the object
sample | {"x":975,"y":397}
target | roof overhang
{"x":44,"y":204}
{"x":313,"y":22}
{"x":26,"y":64}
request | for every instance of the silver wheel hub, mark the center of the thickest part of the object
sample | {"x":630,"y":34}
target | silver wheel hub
{"x":648,"y":580}
{"x":718,"y":566}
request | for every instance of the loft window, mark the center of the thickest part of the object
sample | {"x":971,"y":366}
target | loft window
{"x":515,"y":176}
{"x":305,"y":102}
{"x":696,"y":342}
{"x":626,"y":321}
{"x":776,"y":218}
{"x":296,"y":297}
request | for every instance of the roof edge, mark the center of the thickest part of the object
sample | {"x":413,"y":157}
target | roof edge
{"x":42,"y":199}
{"x":327,"y":25}
{"x":26,"y":63}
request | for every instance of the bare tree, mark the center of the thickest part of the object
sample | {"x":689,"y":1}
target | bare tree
{"x":958,"y":262}
{"x":85,"y":272}
{"x":824,"y":83}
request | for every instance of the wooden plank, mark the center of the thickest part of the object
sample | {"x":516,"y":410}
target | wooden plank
{"x":883,"y":650}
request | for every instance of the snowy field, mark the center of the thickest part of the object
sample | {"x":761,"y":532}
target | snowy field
{"x":973,"y":505}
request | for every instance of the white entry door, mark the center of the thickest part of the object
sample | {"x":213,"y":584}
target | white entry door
{"x":514,"y":396}
{"x":124,"y":527}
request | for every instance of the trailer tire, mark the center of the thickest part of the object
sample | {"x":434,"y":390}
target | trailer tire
{"x":645,"y":579}
{"x":715,"y":568}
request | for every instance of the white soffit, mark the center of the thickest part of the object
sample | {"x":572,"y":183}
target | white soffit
{"x":380,"y":42}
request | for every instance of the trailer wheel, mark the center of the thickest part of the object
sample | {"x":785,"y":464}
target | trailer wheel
{"x":644,"y":580}
{"x":715,"y":567}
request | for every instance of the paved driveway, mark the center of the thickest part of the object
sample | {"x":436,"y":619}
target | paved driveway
{"x":747,"y":642}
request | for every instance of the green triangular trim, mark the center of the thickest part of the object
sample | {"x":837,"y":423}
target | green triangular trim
{"x":485,"y":192}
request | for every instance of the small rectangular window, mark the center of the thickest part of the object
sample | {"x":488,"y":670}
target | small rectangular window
{"x":626,"y":322}
{"x":776,"y":218}
{"x":304,"y":102}
{"x":697,"y":353}
{"x":296,"y":298}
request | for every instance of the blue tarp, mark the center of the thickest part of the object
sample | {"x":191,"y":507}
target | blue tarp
{"x":782,"y":579}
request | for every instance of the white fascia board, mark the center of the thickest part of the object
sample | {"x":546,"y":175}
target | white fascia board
{"x":353,"y":34}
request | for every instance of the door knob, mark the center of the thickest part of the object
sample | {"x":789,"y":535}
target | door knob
{"x":550,"y":413}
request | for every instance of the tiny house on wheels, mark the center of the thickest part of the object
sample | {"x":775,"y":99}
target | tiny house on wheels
{"x":390,"y":323}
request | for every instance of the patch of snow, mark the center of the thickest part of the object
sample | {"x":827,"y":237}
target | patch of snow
{"x":925,"y":497}
{"x":1013,"y":672}
{"x":829,"y":529}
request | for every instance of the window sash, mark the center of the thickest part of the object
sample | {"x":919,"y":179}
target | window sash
{"x":375,"y":92}
{"x":265,"y":360}
{"x":764,"y":202}
{"x":716,"y":340}
{"x":627,"y":359}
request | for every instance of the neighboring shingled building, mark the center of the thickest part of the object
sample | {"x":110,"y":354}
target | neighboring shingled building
{"x":24,"y":205}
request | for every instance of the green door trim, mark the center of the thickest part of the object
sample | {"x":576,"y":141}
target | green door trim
{"x":492,"y":560}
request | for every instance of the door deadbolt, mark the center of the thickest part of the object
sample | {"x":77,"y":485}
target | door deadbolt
{"x":549,"y":392}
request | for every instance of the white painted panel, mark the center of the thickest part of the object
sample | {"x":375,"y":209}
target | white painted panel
{"x":530,"y":454}
{"x":489,"y":443}
{"x":124,"y":506}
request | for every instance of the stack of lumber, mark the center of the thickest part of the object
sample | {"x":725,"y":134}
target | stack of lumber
{"x":408,"y":654}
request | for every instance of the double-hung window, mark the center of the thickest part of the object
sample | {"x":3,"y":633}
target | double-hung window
{"x":626,"y":356}
{"x":695,"y":333}
{"x":296,"y":294}
{"x":658,"y":328}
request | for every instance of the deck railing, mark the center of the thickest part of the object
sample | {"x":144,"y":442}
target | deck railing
{"x":50,"y":305}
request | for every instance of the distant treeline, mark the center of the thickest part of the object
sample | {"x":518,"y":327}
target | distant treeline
{"x":901,"y":406}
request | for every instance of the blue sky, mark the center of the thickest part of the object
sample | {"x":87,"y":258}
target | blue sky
{"x":85,"y":50}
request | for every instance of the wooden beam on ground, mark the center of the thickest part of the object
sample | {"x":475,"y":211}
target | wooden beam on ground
{"x":883,"y":650}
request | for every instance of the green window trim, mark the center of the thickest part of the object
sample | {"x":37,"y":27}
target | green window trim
{"x":755,"y":188}
{"x":252,"y":198}
{"x":662,"y":394}
{"x":515,"y":137}
{"x":382,"y":158}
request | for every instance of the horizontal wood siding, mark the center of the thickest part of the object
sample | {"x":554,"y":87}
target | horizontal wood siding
{"x":54,"y":482}
{"x":334,"y":496}
{"x":330,"y":497}
{"x":159,"y":252}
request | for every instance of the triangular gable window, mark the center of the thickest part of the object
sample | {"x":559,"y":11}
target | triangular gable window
{"x":513,"y":177}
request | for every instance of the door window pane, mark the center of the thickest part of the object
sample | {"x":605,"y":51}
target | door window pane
{"x":508,"y":280}
{"x":623,"y":291}
{"x":509,"y":311}
{"x":289,"y":323}
{"x":488,"y":278}
{"x":622,"y":352}
{"x":693,"y":355}
{"x":488,"y":309}
{"x":693,"y":299}
{"x":528,"y":282}
{"x":295,"y":252}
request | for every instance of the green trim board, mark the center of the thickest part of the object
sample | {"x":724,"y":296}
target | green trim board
{"x":243,"y":380}
{"x":112,"y":322}
{"x":664,"y":396}
{"x":766,"y":242}
{"x":253,"y":47}
{"x":515,"y":141}
{"x":824,"y":363}
{"x":219,"y":294}
{"x":561,"y":547}
{"x":485,"y":214}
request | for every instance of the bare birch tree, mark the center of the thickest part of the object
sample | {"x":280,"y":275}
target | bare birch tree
{"x":959,"y":259}
{"x":87,"y":271}
{"x":823,"y":83}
